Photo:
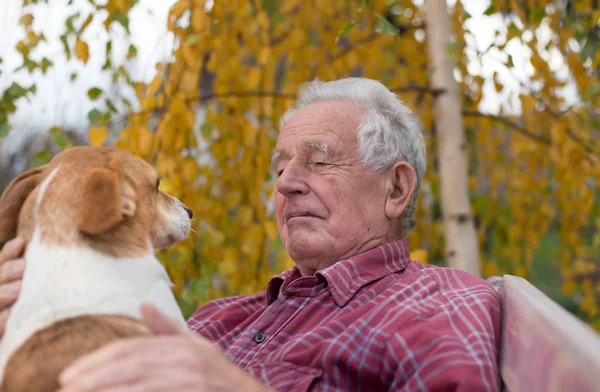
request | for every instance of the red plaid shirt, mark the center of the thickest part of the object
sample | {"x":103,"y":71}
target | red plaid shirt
{"x":374,"y":322}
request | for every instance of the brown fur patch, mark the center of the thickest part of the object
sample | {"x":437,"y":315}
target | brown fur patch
{"x":36,"y":365}
{"x":100,"y":208}
{"x":12,"y":201}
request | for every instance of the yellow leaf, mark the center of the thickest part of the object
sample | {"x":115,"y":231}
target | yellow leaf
{"x":26,"y":20}
{"x":82,"y":50}
{"x":86,"y":23}
{"x":271,"y":229}
{"x":97,"y":135}
{"x":146,"y":141}
{"x":419,"y":255}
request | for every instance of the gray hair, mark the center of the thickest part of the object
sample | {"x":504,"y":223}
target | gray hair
{"x":388,"y":132}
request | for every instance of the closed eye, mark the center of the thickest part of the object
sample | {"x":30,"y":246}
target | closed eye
{"x":319,"y":164}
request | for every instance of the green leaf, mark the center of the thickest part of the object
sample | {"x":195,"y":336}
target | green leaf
{"x":55,"y":130}
{"x":453,"y":48}
{"x":385,"y":27}
{"x":95,"y":117}
{"x":513,"y":29}
{"x":62,"y":141}
{"x":344,"y":31}
{"x":537,"y":14}
{"x":271,"y":7}
{"x":107,"y":64}
{"x":206,"y":130}
{"x":63,"y":39}
{"x":510,"y":63}
{"x":364,"y":4}
{"x":94,"y":93}
{"x":45,"y":64}
{"x":15,"y":90}
{"x":69,"y":22}
{"x":41,"y":158}
{"x":4,"y":130}
{"x":131,"y":52}
{"x":123,"y":19}
{"x":489,"y":10}
{"x":588,"y":50}
{"x":592,"y":90}
{"x":73,"y":76}
{"x":192,"y":39}
{"x":111,"y":107}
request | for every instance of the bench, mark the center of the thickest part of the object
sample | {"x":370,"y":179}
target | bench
{"x":544,"y":347}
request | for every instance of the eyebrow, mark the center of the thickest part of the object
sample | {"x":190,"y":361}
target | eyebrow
{"x":321,"y":146}
{"x":274,"y":159}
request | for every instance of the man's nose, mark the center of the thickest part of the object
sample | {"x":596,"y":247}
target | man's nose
{"x":292,"y":181}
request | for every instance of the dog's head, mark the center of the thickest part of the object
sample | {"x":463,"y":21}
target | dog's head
{"x":101,"y":197}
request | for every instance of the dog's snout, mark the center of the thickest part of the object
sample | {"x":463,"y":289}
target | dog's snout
{"x":189,"y":212}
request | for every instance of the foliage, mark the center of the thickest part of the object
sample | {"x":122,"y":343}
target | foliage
{"x":208,"y":122}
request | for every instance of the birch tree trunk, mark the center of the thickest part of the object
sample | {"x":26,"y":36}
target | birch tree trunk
{"x":460,"y":236}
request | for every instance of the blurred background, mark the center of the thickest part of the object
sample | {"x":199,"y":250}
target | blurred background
{"x":196,"y":87}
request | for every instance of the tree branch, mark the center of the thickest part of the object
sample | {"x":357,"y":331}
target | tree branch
{"x":510,"y":124}
{"x":418,"y":88}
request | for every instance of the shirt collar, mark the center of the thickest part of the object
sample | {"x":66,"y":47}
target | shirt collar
{"x":345,"y":277}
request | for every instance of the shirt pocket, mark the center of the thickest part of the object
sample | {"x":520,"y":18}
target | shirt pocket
{"x":285,"y":376}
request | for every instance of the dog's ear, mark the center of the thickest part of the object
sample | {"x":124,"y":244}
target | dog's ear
{"x":12,"y":201}
{"x":107,"y":199}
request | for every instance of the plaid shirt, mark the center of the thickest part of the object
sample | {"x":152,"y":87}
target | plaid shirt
{"x":374,"y":322}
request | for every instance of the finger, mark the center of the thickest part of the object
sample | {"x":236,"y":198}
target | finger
{"x":162,"y":384}
{"x":159,"y":323}
{"x":112,"y":352}
{"x":12,"y":249}
{"x":9,"y":292}
{"x":3,"y":319}
{"x":12,"y":270}
{"x":119,"y":352}
{"x":118,"y":375}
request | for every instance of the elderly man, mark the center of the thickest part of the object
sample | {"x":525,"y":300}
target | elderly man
{"x":354,"y":313}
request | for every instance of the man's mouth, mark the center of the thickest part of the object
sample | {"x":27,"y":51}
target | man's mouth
{"x":293,"y":215}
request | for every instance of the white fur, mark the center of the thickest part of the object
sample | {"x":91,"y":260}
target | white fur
{"x":61,"y":282}
{"x":42,"y":192}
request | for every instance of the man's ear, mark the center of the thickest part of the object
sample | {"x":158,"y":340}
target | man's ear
{"x":402,"y":183}
{"x":107,"y":199}
{"x":12,"y":201}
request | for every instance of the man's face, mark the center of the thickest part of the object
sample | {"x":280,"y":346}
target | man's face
{"x":328,"y":205}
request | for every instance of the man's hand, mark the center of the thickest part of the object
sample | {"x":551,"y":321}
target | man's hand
{"x":173,"y":360}
{"x":12,"y":266}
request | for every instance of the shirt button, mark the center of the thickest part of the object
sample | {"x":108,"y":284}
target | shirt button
{"x":260,"y":337}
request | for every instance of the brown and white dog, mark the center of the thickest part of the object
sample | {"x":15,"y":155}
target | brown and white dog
{"x":92,"y":218}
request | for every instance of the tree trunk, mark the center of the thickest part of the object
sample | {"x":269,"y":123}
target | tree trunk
{"x":460,"y":235}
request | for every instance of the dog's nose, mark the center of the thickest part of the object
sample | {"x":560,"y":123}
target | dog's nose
{"x":190,"y":213}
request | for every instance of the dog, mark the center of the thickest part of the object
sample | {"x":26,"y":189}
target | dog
{"x":92,"y":218}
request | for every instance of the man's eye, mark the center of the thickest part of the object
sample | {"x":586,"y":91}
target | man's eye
{"x":319,"y":164}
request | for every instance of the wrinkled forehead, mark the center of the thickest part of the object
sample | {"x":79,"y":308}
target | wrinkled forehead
{"x":325,"y":129}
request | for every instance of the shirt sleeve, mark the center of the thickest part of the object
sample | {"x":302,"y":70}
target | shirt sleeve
{"x":454,"y":347}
